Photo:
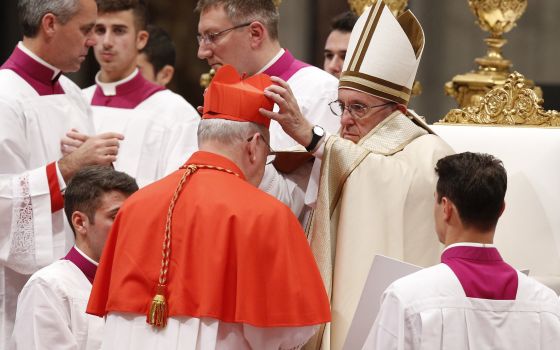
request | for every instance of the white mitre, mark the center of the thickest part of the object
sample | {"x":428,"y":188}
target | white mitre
{"x":383,"y":54}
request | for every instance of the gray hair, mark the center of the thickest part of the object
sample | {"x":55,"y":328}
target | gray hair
{"x":31,"y":13}
{"x":228,"y":132}
{"x":246,"y":11}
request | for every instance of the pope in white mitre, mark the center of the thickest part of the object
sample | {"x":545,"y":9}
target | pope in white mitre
{"x":376,"y":179}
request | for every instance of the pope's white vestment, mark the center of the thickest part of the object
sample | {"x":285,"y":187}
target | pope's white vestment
{"x":429,"y":310}
{"x":51,"y":311}
{"x":159,"y":126}
{"x":32,"y":123}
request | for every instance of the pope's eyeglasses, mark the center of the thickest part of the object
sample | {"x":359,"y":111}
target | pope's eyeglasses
{"x":356,"y":110}
{"x":210,"y":38}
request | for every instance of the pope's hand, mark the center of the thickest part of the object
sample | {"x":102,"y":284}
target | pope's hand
{"x":289,"y":115}
{"x":100,"y":149}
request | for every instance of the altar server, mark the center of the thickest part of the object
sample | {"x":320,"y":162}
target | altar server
{"x":51,"y":312}
{"x":159,"y":126}
{"x":38,"y":105}
{"x":336,"y":44}
{"x":473,"y":299}
{"x":156,"y":60}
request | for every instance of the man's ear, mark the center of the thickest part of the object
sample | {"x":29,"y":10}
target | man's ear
{"x":48,"y":24}
{"x":503,"y":208}
{"x":258,"y":32}
{"x":448,"y":208}
{"x":80,"y":221}
{"x":164,"y":76}
{"x":252,"y":148}
{"x":142,"y":39}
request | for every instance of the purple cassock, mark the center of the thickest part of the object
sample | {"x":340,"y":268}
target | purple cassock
{"x":482,"y":272}
{"x":87,"y":267}
{"x":285,"y":67}
{"x":43,"y":79}
{"x":127,"y":95}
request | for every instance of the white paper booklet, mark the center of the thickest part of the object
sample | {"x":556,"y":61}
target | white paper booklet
{"x":383,"y":272}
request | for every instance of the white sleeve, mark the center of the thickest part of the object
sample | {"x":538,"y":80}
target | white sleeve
{"x":26,"y":229}
{"x":388,"y":326}
{"x":42,"y":319}
{"x":26,"y":233}
{"x":283,"y":189}
{"x":182,"y":140}
{"x":278,"y":338}
{"x":314,"y":97}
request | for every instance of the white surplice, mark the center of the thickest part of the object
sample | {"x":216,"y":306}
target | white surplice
{"x":313,"y":89}
{"x":160,"y":133}
{"x":429,"y":310}
{"x":52,"y":311}
{"x":131,"y":332}
{"x":31,"y":127}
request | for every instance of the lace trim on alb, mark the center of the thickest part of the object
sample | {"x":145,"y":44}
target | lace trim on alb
{"x":22,"y":248}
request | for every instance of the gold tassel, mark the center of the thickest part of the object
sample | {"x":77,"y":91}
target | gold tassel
{"x":157,"y":316}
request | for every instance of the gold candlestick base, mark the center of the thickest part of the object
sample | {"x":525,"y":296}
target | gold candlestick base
{"x":513,"y":103}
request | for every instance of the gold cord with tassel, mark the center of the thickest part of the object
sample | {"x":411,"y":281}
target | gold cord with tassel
{"x":157,"y":315}
{"x":159,"y":312}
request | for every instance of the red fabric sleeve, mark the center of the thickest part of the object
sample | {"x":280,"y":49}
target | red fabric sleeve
{"x":57,"y":201}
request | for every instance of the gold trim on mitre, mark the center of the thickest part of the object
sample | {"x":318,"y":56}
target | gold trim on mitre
{"x":375,"y":86}
{"x":413,"y":30}
{"x":366,"y":35}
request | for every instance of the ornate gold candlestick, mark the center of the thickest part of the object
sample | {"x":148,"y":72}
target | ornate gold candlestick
{"x":496,"y":17}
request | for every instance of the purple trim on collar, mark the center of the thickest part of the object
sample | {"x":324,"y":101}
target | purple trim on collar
{"x":129,"y":95}
{"x":34,"y":73}
{"x":86,"y":266}
{"x":285,"y":67}
{"x":482,"y":272}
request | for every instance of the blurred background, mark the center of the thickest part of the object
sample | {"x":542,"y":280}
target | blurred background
{"x":453,"y":40}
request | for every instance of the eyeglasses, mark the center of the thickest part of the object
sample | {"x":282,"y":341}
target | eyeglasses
{"x":356,"y":110}
{"x":210,"y":38}
{"x":271,"y":154}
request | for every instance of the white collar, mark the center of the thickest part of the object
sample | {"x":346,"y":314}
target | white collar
{"x":272,"y":61}
{"x":29,"y":53}
{"x":85,"y":256}
{"x":470,"y":244}
{"x":110,"y":89}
